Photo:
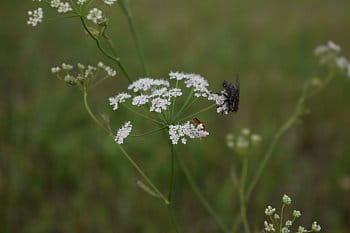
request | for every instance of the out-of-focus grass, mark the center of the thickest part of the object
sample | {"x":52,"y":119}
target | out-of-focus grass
{"x":60,"y":173}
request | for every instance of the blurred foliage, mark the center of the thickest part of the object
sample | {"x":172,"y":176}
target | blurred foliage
{"x":60,"y":173}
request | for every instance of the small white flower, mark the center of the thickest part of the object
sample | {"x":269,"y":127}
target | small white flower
{"x":35,"y":17}
{"x":67,"y":66}
{"x":159,"y":104}
{"x":55,"y":3}
{"x":269,"y":211}
{"x":95,"y":15}
{"x":81,"y":2}
{"x":198,"y":83}
{"x":64,"y":7}
{"x":342,"y":62}
{"x":296,"y":213}
{"x":255,"y":138}
{"x":177,"y":76}
{"x":80,"y":66}
{"x":116,"y":100}
{"x":109,"y":2}
{"x":219,"y":101}
{"x":269,"y":227}
{"x":179,"y":132}
{"x":285,"y":230}
{"x":140,"y":100}
{"x":55,"y":69}
{"x":146,"y":84}
{"x":333,"y":46}
{"x":123,"y":133}
{"x":289,"y":223}
{"x":245,"y":131}
{"x":286,"y":200}
{"x":174,"y":92}
{"x":242,"y":142}
{"x":315,"y":227}
{"x":276,"y":216}
{"x":301,"y":229}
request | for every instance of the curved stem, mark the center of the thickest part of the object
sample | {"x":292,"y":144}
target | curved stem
{"x":92,"y":115}
{"x":144,"y":176}
{"x":131,"y":161}
{"x":115,"y":59}
{"x":134,"y":35}
{"x":200,"y":196}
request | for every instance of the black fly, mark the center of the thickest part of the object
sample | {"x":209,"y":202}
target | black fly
{"x":231,"y":95}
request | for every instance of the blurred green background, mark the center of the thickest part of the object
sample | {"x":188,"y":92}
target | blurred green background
{"x":60,"y":173}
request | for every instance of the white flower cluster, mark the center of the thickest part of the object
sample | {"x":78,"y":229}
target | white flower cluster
{"x":329,"y":54}
{"x":179,"y":132}
{"x":286,"y":227}
{"x":123,"y":133}
{"x":116,"y":100}
{"x":35,"y":17}
{"x":159,"y":93}
{"x":95,"y":15}
{"x":109,"y":2}
{"x":243,"y":140}
{"x":84,"y":72}
{"x":111,"y":72}
{"x":195,"y":81}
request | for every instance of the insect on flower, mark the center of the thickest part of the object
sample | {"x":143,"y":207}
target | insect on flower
{"x":198,"y":122}
{"x":231,"y":95}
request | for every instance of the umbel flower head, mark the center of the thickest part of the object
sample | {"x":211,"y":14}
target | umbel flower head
{"x":77,"y":7}
{"x":329,"y":54}
{"x":83,"y":75}
{"x":158,"y":96}
{"x":271,"y":225}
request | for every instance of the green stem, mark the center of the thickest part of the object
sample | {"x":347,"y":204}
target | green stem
{"x":115,"y":59}
{"x":281,"y":218}
{"x":92,"y":115}
{"x":185,"y":104}
{"x":144,"y":176}
{"x":173,"y":103}
{"x":200,"y":196}
{"x":149,"y":133}
{"x":131,"y":161}
{"x":299,"y":111}
{"x":171,"y":190}
{"x":242,"y":200}
{"x":134,"y":35}
{"x":243,"y":210}
{"x":196,"y":113}
{"x":143,"y":115}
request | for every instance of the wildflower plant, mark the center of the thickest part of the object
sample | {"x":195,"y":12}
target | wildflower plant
{"x":281,"y":224}
{"x":166,"y":101}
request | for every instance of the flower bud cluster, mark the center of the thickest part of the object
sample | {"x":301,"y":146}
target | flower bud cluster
{"x":83,"y":74}
{"x":243,"y":140}
{"x":276,"y":222}
{"x":330,"y":54}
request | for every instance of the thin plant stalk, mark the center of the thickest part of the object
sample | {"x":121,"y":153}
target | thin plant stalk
{"x":298,"y":112}
{"x":134,"y":35}
{"x":200,"y":196}
{"x":196,"y":113}
{"x":131,"y":161}
{"x":97,"y":41}
{"x":171,"y":190}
